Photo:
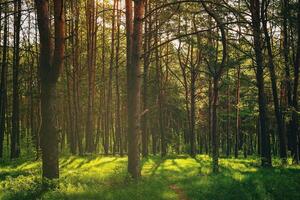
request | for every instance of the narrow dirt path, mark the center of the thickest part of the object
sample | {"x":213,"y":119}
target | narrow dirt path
{"x":181,"y":195}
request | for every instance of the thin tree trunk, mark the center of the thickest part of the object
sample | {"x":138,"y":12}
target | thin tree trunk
{"x":215,"y":135}
{"x":103,"y":84}
{"x":228,"y":136}
{"x":15,"y":134}
{"x":90,"y":14}
{"x":109,"y":92}
{"x":147,"y":42}
{"x":118,"y":117}
{"x":3,"y":86}
{"x":238,"y":119}
{"x":75,"y":86}
{"x":161,"y":127}
{"x":193,"y":105}
{"x":209,"y":116}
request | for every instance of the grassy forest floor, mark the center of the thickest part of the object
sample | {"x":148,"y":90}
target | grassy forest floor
{"x":175,"y":177}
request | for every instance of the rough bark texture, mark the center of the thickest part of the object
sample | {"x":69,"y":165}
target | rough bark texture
{"x":49,"y":70}
{"x":134,"y":87}
{"x":264,"y":134}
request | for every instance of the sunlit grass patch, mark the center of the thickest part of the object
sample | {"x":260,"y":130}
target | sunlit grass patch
{"x":98,"y":177}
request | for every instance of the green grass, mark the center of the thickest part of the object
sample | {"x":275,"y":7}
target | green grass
{"x":95,"y":177}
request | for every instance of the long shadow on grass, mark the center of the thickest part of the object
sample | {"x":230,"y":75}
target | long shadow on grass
{"x":66,"y":162}
{"x":234,"y":183}
{"x":13,"y":174}
{"x":101,"y":164}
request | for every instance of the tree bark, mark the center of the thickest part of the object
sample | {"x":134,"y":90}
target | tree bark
{"x":147,"y":43}
{"x":3,"y":86}
{"x":15,"y":134}
{"x":91,"y":49}
{"x":278,"y":113}
{"x":49,"y":71}
{"x":219,"y":69}
{"x":103,"y":83}
{"x":238,"y":119}
{"x":228,"y":136}
{"x":295,"y":123}
{"x":266,"y":160}
{"x":215,"y":135}
{"x":118,"y":115}
{"x":193,"y":105}
{"x":134,"y":86}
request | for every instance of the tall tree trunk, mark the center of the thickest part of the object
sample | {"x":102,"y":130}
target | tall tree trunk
{"x":228,"y":136}
{"x":266,"y":160}
{"x":147,"y":43}
{"x":219,"y":69}
{"x":118,"y":115}
{"x":70,"y":129}
{"x":49,"y":71}
{"x":159,"y":92}
{"x":134,"y":86}
{"x":109,"y":91}
{"x":90,"y":15}
{"x":278,"y":114}
{"x":238,"y":119}
{"x":38,"y":112}
{"x":103,"y":84}
{"x":193,"y":105}
{"x":3,"y":84}
{"x":286,"y":46}
{"x":295,"y":121}
{"x":285,"y":11}
{"x":209,"y":116}
{"x":76,"y":77}
{"x":15,"y":134}
{"x":215,"y":135}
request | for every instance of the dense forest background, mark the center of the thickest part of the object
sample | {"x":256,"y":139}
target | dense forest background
{"x":145,"y":77}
